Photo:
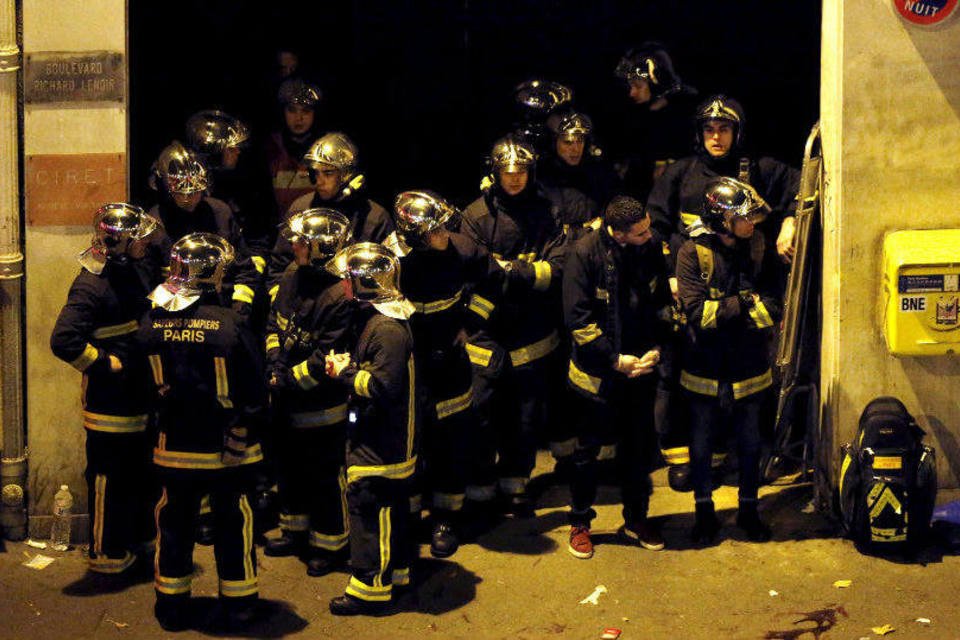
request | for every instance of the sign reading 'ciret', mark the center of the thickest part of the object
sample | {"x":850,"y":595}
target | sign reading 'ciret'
{"x":92,"y":76}
{"x":925,"y":12}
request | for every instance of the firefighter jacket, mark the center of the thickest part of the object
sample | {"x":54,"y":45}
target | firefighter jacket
{"x":369,"y":222}
{"x":438,"y":284}
{"x":676,"y":200}
{"x":100,"y":318}
{"x":728,"y":338}
{"x":593,"y":177}
{"x":212,"y":216}
{"x":309,"y":317}
{"x":383,"y":386}
{"x":520,"y":308}
{"x":289,"y":174}
{"x":616,"y":300}
{"x":207,"y":372}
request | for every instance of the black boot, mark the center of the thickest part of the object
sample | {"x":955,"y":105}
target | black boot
{"x":321,"y":562}
{"x":173,"y":614}
{"x":749,"y":520}
{"x":705,"y":526}
{"x":518,"y":505}
{"x":349,"y":606}
{"x":443,"y":541}
{"x":290,"y":543}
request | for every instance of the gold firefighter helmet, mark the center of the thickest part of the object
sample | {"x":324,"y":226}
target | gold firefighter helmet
{"x":510,"y":154}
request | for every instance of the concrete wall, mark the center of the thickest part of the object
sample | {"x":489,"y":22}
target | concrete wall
{"x":889,"y":107}
{"x":55,"y":433}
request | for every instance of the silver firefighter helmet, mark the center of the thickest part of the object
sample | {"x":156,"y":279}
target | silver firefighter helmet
{"x":324,"y":230}
{"x":420,"y":212}
{"x":180,"y":170}
{"x":116,"y":227}
{"x":726,"y":199}
{"x":210,"y":132}
{"x":510,"y":154}
{"x":335,"y":149}
{"x":374,"y":274}
{"x":198,"y":262}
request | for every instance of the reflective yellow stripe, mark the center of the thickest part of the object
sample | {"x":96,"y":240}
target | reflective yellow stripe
{"x":709,"y":318}
{"x":190,"y":460}
{"x":397,"y":471}
{"x":172,"y":586}
{"x":294,"y":521}
{"x":385,"y":532}
{"x":99,"y":501}
{"x":361,"y":383}
{"x":750,"y":386}
{"x":437,"y":305}
{"x":157,"y":366}
{"x":603,"y":294}
{"x":238,"y":588}
{"x":242,"y":293}
{"x":301,"y":373}
{"x":688,"y":219}
{"x":411,"y":405}
{"x":401,"y":577}
{"x":242,"y":588}
{"x":587,"y":334}
{"x":676,"y":455}
{"x":481,"y":306}
{"x":760,"y":315}
{"x":366,"y":592}
{"x":888,"y":462}
{"x":703,"y":386}
{"x":85,"y":359}
{"x":328,"y":542}
{"x":705,"y":259}
{"x":259,"y":263}
{"x":309,"y":419}
{"x":205,"y":504}
{"x":111,"y":565}
{"x":526,"y":257}
{"x":273,"y":342}
{"x":273,"y":293}
{"x":478,"y":355}
{"x":535,"y":351}
{"x":847,"y":459}
{"x":583,"y":380}
{"x":116,"y":330}
{"x":447,"y":408}
{"x":541,"y":275}
{"x":881,"y":496}
{"x":223,"y":383}
{"x":282,"y":322}
{"x":344,"y":508}
{"x":114,"y":424}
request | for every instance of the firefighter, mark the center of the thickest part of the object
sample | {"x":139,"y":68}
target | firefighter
{"x":438,"y":267}
{"x":308,"y":320}
{"x":657,"y":123}
{"x":513,"y":353}
{"x":674,"y":207}
{"x":334,"y":169}
{"x":730,"y":291}
{"x":237,"y":176}
{"x":95,"y":333}
{"x":209,"y":398}
{"x":380,"y":373}
{"x":182,"y":179}
{"x":534,"y":101}
{"x":300,"y":101}
{"x":616,"y":300}
{"x":575,"y":163}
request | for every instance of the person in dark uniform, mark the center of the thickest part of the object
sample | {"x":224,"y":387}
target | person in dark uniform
{"x":95,"y":334}
{"x":300,"y":101}
{"x":209,"y":398}
{"x":381,"y":375}
{"x":238,"y":177}
{"x":181,"y":179}
{"x":534,"y":101}
{"x":513,"y":353}
{"x":657,"y":125}
{"x":333,"y":164}
{"x":730,"y":290}
{"x":615,"y":299}
{"x":438,"y":267}
{"x":674,"y":207}
{"x":308,"y":320}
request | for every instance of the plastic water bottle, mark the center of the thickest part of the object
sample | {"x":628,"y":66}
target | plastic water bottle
{"x":60,"y":531}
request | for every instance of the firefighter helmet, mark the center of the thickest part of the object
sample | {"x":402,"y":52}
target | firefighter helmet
{"x":116,"y":226}
{"x":510,"y":154}
{"x":210,"y":132}
{"x":537,"y":98}
{"x":180,"y":170}
{"x":334,"y":149}
{"x":723,"y":108}
{"x":373,"y":271}
{"x":198,"y":262}
{"x":297,"y":91}
{"x":325,"y":231}
{"x":651,"y":63}
{"x":571,"y":125}
{"x":726,"y":199}
{"x":420,"y":212}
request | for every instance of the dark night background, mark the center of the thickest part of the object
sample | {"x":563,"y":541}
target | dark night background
{"x":424,"y":87}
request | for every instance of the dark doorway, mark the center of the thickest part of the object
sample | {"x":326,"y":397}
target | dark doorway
{"x":424,"y":87}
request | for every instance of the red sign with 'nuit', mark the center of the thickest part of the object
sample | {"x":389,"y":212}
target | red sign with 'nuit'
{"x":925,"y":12}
